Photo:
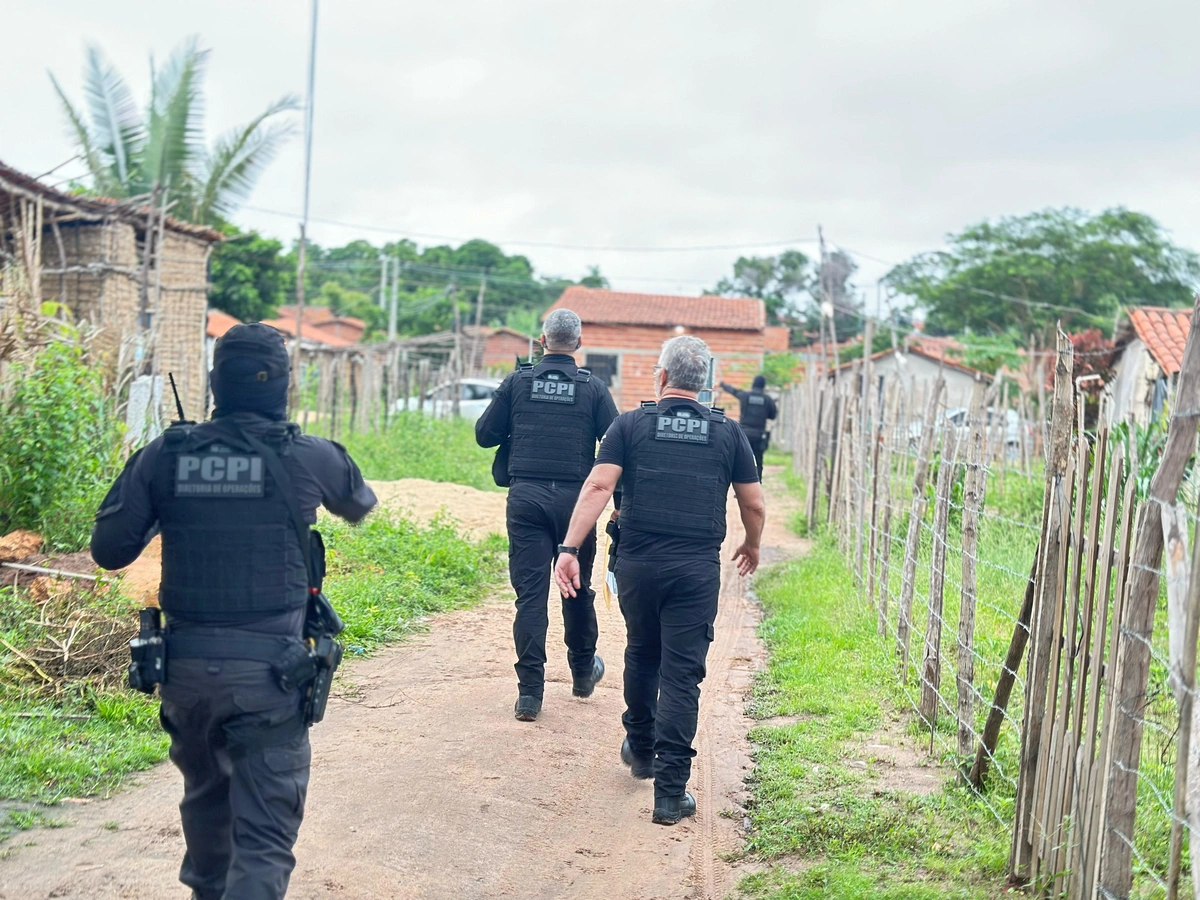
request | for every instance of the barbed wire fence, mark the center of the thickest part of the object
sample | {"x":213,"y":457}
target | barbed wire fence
{"x":1042,"y":637}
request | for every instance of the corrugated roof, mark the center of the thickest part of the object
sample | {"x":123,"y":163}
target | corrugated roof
{"x":1164,"y":332}
{"x":601,"y":307}
{"x":20,"y":183}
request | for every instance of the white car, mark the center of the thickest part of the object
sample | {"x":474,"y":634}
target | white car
{"x":474,"y":395}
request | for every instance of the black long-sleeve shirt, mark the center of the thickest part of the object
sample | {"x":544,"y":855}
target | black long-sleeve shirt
{"x":741,"y":396}
{"x":326,"y":476}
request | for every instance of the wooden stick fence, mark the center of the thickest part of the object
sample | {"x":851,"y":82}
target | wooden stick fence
{"x":1096,"y":757}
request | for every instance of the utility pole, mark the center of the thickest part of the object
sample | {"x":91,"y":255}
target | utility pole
{"x":308,"y":131}
{"x":395,"y":301}
{"x":383,"y":281}
{"x":478,"y":343}
{"x":827,"y":305}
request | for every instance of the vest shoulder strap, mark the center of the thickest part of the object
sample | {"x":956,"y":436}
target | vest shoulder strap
{"x":650,"y":407}
{"x":583,"y":375}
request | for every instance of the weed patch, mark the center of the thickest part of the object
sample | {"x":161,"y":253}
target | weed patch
{"x":854,"y":837}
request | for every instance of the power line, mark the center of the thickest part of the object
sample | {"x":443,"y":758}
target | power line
{"x":551,"y":245}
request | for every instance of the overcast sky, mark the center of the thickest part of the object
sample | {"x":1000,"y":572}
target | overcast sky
{"x":651,"y":123}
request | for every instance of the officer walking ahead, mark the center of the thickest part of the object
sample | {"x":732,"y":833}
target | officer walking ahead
{"x":549,"y":416}
{"x":228,"y":496}
{"x":675,"y":459}
{"x":756,"y":409}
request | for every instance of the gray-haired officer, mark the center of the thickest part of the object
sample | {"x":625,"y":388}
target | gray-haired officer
{"x":549,"y":416}
{"x":756,"y":409}
{"x":675,"y":460}
{"x":236,"y":591}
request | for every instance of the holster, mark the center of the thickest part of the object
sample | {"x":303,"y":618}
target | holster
{"x":613,"y":529}
{"x":148,"y":652}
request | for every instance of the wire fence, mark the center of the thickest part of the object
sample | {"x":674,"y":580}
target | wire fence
{"x":1036,"y":590}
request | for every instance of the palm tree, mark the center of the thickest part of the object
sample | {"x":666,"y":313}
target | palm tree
{"x":130,"y":152}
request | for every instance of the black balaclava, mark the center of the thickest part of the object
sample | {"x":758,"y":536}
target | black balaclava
{"x":760,"y":382}
{"x":250,"y":372}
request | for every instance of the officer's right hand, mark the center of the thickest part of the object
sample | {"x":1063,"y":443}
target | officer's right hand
{"x":566,"y":573}
{"x":746,"y":558}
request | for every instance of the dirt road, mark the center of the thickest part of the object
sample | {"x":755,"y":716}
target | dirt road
{"x":424,"y":786}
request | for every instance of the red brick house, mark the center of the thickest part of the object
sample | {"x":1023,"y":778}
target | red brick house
{"x":320,"y":326}
{"x":495,"y":350}
{"x":623,"y":335}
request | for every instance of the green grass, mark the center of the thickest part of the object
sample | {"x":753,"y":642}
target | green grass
{"x":385,"y":577}
{"x":420,"y":446}
{"x":837,"y":833}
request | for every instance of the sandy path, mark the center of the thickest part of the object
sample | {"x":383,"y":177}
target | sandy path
{"x":424,"y":786}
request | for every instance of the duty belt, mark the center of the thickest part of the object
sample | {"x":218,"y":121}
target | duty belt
{"x":224,"y":645}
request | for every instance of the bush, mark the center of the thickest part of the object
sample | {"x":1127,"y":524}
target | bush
{"x":60,"y":448}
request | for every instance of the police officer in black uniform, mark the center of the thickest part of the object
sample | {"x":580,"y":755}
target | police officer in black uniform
{"x":675,"y":460}
{"x":756,"y":409}
{"x":548,"y":417}
{"x":235,"y":588}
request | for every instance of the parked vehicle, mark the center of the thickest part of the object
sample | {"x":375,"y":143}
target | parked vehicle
{"x":957,"y":416}
{"x":474,"y":395}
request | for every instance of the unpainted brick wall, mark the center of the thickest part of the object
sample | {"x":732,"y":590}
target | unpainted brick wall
{"x":739,"y":357}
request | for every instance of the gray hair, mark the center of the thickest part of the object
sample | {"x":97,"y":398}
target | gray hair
{"x":562,"y":328}
{"x":686,"y":360}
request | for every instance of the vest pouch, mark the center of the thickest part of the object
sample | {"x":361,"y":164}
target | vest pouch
{"x":674,"y":501}
{"x":500,"y":466}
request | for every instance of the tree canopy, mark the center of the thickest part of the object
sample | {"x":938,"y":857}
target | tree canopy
{"x":128,"y":151}
{"x":251,"y":275}
{"x":1024,"y":273}
{"x":790,"y":287}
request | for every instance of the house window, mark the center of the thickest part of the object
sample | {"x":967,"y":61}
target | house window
{"x":603,"y":366}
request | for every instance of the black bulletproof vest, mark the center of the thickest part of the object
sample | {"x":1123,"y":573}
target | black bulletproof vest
{"x":754,"y":411}
{"x":678,"y":480}
{"x":553,"y":433}
{"x":229,"y":548}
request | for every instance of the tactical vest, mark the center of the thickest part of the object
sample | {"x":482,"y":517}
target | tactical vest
{"x":754,"y":411}
{"x":679,"y":479}
{"x":229,"y":548}
{"x":553,"y":432}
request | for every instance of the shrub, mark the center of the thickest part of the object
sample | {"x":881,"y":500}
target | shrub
{"x":60,"y":448}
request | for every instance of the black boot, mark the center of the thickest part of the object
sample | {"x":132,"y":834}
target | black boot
{"x":670,"y":810}
{"x":639,"y":766}
{"x":527,"y":707}
{"x":585,"y":684}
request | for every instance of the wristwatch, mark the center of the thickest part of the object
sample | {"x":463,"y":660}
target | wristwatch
{"x":563,"y":548}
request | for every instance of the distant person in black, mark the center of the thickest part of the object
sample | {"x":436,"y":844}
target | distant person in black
{"x":756,"y":409}
{"x":549,"y":416}
{"x":675,"y":460}
{"x":234,"y":592}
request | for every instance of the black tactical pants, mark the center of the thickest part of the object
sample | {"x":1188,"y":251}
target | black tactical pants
{"x":669,"y":610}
{"x":538,"y":514}
{"x":758,"y":445}
{"x":243,"y":750}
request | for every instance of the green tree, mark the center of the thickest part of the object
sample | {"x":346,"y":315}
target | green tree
{"x":248,"y":273}
{"x":1024,"y":273}
{"x":782,"y":282}
{"x":128,"y":151}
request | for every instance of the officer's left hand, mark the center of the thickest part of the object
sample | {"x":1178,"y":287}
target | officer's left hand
{"x":566,"y":573}
{"x":746,"y":558}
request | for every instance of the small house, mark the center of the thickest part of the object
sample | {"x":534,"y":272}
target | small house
{"x":139,"y":278}
{"x":623,"y":334}
{"x":495,"y":351}
{"x":319,"y":326}
{"x":1149,"y":342}
{"x":918,"y":368}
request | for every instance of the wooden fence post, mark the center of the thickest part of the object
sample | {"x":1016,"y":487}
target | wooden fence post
{"x":931,"y":678}
{"x":974,"y":485}
{"x":1137,"y":624}
{"x":915,"y":515}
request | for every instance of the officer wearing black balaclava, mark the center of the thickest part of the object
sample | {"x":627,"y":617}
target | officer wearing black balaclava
{"x":548,"y":417}
{"x":234,"y":592}
{"x":756,"y":409}
{"x":675,"y":459}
